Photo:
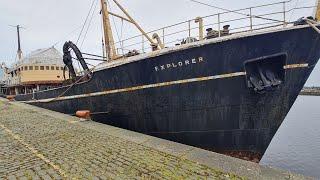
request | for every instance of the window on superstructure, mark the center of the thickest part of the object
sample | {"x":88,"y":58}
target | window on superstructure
{"x":36,"y":67}
{"x":61,"y":68}
{"x":47,"y":67}
{"x":41,"y":67}
{"x":52,"y":67}
{"x":30,"y":68}
{"x":57,"y":68}
{"x":26,"y":68}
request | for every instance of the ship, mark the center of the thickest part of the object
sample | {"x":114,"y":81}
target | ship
{"x":2,"y":84}
{"x":42,"y":69}
{"x":225,"y":90}
{"x":39,"y":70}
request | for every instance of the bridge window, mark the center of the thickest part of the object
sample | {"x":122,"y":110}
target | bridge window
{"x":47,"y":67}
{"x":41,"y":67}
{"x":61,"y":68}
{"x":57,"y":68}
{"x":36,"y":67}
{"x":52,"y":67}
{"x":30,"y":67}
{"x":26,"y":68}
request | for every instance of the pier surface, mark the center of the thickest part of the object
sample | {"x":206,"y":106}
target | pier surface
{"x":314,"y":91}
{"x":42,"y":144}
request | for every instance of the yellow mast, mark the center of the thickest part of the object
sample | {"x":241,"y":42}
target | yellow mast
{"x":108,"y":36}
{"x":317,"y":12}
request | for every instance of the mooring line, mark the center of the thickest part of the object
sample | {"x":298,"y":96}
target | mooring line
{"x":34,"y":151}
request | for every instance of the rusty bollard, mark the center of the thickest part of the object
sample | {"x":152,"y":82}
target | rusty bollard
{"x":84,"y":114}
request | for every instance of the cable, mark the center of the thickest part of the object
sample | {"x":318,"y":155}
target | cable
{"x":85,"y":22}
{"x":102,"y":36}
{"x":89,"y":24}
{"x":83,"y":58}
{"x":293,"y":10}
{"x":115,"y":27}
{"x":94,"y":55}
{"x":75,"y":83}
{"x":69,"y":34}
{"x":227,"y":10}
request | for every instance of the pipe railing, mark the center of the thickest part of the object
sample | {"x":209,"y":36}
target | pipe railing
{"x":175,"y":36}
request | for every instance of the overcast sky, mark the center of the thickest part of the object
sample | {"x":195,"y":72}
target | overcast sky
{"x":52,"y":22}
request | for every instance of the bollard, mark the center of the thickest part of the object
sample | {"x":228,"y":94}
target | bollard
{"x":85,"y":114}
{"x":11,"y":98}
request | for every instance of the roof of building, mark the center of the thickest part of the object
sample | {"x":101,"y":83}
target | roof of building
{"x":48,"y":56}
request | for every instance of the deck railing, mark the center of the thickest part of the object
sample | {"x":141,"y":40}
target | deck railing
{"x":241,"y":20}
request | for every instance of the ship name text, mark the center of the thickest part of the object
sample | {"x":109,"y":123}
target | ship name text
{"x":179,"y":64}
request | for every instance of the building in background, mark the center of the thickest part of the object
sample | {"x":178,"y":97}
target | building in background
{"x":2,"y":84}
{"x":40,"y":70}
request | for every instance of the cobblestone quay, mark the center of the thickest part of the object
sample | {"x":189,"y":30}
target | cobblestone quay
{"x":41,"y":144}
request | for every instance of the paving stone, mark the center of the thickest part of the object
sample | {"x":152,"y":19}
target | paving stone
{"x":40,"y":144}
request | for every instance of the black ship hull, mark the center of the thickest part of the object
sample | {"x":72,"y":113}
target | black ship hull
{"x":198,"y":94}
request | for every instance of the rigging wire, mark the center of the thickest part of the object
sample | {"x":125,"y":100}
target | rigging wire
{"x":102,"y":36}
{"x":231,"y":11}
{"x":94,"y":55}
{"x":89,"y":24}
{"x":85,"y":22}
{"x":115,"y":27}
{"x":293,"y":10}
{"x":83,"y":26}
{"x":121,"y":35}
{"x":68,"y":35}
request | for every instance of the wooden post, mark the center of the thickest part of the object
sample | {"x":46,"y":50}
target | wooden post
{"x":108,"y":36}
{"x":251,"y":21}
{"x":200,"y":21}
{"x":284,"y":14}
{"x":219,"y":25}
{"x":317,"y":11}
{"x":189,"y":28}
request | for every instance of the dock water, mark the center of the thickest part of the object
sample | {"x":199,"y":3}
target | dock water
{"x":40,"y":144}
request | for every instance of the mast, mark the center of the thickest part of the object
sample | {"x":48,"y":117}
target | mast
{"x":109,"y":44}
{"x":108,"y":36}
{"x":317,"y":11}
{"x":134,"y":22}
{"x":19,"y":44}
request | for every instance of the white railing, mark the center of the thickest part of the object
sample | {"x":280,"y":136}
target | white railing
{"x":241,"y":20}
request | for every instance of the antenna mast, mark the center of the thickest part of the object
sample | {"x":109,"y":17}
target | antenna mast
{"x":19,"y":43}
